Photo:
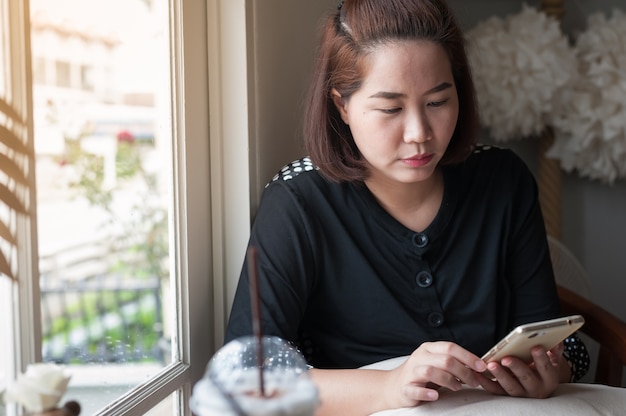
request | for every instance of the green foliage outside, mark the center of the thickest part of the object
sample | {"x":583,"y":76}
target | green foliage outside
{"x":122,"y":321}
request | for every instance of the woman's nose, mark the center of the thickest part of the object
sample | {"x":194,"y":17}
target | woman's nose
{"x":417,"y":128}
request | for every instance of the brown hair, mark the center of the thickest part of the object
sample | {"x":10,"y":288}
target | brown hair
{"x":347,"y":37}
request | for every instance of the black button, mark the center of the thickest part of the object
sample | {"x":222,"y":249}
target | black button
{"x":424,"y":279}
{"x":420,"y":240}
{"x":435,"y":319}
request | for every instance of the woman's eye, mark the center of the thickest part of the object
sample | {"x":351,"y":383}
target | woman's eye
{"x":390,"y":110}
{"x":437,"y":103}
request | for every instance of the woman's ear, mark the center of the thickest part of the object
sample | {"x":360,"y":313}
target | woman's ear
{"x":340,"y":103}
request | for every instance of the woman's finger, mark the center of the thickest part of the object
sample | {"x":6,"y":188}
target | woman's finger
{"x":415,"y":394}
{"x":451,"y":349}
{"x":446,"y":365}
{"x":489,"y":385}
{"x":508,"y":381}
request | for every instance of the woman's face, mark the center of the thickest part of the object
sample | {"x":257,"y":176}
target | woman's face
{"x":403,"y":116}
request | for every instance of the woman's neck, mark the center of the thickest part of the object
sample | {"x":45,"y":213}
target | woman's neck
{"x":414,"y":205}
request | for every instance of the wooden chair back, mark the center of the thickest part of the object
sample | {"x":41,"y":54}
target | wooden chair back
{"x":603,"y":327}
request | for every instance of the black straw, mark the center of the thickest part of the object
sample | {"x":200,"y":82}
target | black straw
{"x":253,"y":276}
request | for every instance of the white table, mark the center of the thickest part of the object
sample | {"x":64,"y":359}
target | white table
{"x":568,"y":400}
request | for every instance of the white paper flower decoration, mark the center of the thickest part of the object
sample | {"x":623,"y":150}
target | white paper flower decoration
{"x":590,"y":129}
{"x":518,"y":64}
{"x":40,"y":388}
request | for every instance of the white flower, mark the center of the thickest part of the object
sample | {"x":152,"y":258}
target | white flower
{"x":518,"y":63}
{"x":590,"y":128}
{"x":40,"y":388}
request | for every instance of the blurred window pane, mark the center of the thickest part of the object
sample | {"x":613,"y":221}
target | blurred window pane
{"x":103,"y":140}
{"x":167,"y":407}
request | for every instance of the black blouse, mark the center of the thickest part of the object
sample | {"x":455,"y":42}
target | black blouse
{"x":350,"y":285}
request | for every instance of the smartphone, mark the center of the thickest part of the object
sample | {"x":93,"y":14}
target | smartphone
{"x":522,"y":339}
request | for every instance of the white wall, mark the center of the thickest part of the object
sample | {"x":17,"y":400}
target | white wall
{"x":283,"y":36}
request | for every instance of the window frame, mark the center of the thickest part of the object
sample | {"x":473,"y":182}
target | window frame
{"x":211,"y":188}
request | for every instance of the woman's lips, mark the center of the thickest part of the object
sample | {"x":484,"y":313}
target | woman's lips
{"x":417,"y":160}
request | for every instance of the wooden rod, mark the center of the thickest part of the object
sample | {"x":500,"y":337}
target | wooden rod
{"x":553,"y":8}
{"x":549,"y":183}
{"x":549,"y":170}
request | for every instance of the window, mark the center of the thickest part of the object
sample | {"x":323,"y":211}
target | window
{"x":104,"y":195}
{"x":39,"y":71}
{"x":191,"y":297}
{"x":63,"y":74}
{"x":86,"y":77}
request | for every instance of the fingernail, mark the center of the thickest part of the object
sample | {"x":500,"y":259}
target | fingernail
{"x":480,"y":365}
{"x":432,"y":395}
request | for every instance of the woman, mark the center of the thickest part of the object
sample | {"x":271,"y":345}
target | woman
{"x":400,"y":236}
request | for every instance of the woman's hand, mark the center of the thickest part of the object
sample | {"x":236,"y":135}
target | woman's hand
{"x":432,"y":365}
{"x":513,"y":377}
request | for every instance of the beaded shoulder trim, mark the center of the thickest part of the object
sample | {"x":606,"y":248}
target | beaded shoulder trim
{"x":293,"y":169}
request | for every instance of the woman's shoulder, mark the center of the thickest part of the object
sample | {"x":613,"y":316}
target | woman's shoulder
{"x":492,"y":169}
{"x":494,"y":153}
{"x":494,"y":160}
{"x":300,"y":179}
{"x":302,"y":166}
{"x":301,"y":184}
{"x":299,"y":190}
